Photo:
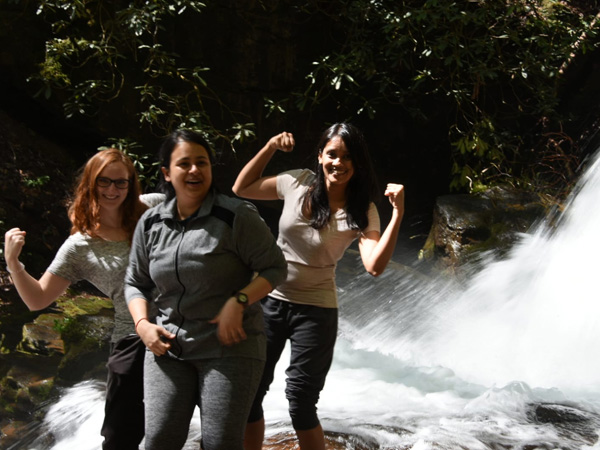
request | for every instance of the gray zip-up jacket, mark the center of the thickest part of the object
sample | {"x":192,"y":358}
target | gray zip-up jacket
{"x":196,"y":265}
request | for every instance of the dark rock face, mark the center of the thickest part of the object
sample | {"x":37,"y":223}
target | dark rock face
{"x":65,"y":344}
{"x":464,"y":225}
{"x":36,"y":176}
{"x":35,"y":179}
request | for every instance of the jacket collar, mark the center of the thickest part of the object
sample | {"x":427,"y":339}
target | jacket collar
{"x":169,"y":208}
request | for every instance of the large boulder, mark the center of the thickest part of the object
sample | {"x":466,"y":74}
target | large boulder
{"x":66,"y":343}
{"x":466,"y":226}
{"x":41,"y":337}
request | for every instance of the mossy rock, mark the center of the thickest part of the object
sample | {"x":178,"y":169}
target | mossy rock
{"x":85,"y":326}
{"x":27,"y":384}
{"x":78,"y":304}
{"x":465,"y":227}
{"x":87,"y":341}
{"x":62,"y":345}
{"x":41,"y":337}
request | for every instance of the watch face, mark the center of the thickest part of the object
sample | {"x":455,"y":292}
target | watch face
{"x":242,"y":298}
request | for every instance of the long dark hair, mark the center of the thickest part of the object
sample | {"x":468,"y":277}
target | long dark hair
{"x":361,"y":189}
{"x":166,"y":149}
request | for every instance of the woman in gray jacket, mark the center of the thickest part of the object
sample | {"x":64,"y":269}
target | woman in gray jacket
{"x":205,"y":260}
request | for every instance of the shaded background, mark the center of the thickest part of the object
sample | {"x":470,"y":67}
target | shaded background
{"x":259,"y":50}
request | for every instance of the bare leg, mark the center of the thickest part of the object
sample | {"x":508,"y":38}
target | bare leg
{"x":313,"y":439}
{"x":255,"y":433}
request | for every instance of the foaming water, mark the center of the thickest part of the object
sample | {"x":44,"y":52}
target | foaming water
{"x":378,"y":401}
{"x":533,"y":316}
{"x":85,"y":404}
{"x":508,"y":361}
{"x":72,"y":423}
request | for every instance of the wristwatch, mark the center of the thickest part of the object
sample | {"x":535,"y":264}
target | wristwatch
{"x":241,"y":298}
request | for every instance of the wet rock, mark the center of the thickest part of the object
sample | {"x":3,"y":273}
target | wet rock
{"x":61,"y":346}
{"x":572,"y":423}
{"x":468,"y":225}
{"x":27,"y":385}
{"x":559,"y":414}
{"x":41,"y":337}
{"x":333,"y":441}
{"x":88,"y":348}
{"x":19,"y":433}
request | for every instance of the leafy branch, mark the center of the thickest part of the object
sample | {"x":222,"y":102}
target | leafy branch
{"x":102,"y":51}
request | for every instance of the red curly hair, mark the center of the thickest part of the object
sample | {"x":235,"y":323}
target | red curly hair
{"x":84,"y":209}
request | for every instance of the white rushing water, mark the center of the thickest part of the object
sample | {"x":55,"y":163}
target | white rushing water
{"x":421,"y":364}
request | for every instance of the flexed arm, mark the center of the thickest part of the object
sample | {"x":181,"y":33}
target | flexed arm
{"x":250,"y":183}
{"x":36,"y":294}
{"x":376,"y":250}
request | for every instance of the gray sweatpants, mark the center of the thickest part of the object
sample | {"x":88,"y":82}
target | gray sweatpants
{"x":223,"y":388}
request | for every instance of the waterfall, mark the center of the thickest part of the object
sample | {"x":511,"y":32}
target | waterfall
{"x":533,"y":316}
{"x":507,"y":361}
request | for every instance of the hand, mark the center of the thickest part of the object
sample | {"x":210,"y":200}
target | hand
{"x":151,"y":337}
{"x":395,"y":194}
{"x":14,"y":240}
{"x":229,"y":323}
{"x":283,"y":141}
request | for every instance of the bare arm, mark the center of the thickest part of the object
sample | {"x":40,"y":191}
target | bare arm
{"x":149,"y":333}
{"x":230,"y":317}
{"x":250,"y":183}
{"x":376,"y":250}
{"x":36,"y":294}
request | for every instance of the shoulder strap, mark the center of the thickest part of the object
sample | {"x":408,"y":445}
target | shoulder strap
{"x":151,"y":220}
{"x":224,"y":214}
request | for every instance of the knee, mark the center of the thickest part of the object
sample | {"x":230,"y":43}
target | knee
{"x":303,"y":414}
{"x":256,"y":410}
{"x":303,"y":398}
{"x":165,"y":439}
{"x":165,"y":430}
{"x":256,"y":413}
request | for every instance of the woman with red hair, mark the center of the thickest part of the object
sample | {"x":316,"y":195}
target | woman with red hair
{"x":105,"y":208}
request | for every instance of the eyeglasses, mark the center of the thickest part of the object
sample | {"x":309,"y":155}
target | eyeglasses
{"x":121,"y":183}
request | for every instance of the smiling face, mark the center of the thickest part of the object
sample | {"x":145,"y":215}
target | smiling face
{"x":190,"y":174}
{"x":111,"y":197}
{"x":337,"y":163}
